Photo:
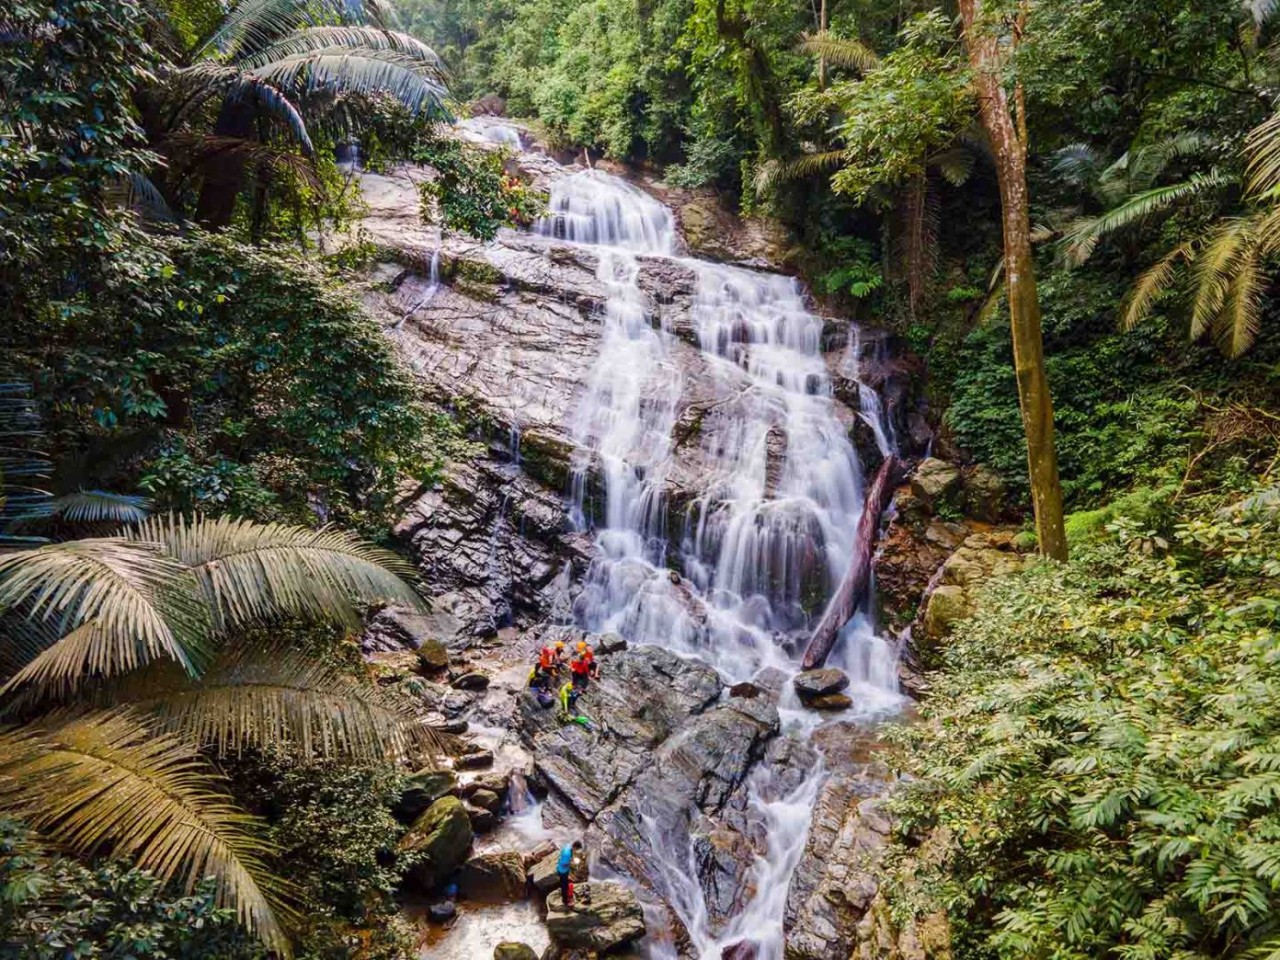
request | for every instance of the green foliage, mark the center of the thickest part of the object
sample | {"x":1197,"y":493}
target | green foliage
{"x":53,"y":908}
{"x":1118,"y":416}
{"x":472,"y":191}
{"x":1098,"y":757}
{"x":224,"y":378}
{"x":911,"y":107}
{"x":334,"y":831}
{"x":857,"y":273}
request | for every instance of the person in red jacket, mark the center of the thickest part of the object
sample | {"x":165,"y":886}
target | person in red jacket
{"x":583,"y":667}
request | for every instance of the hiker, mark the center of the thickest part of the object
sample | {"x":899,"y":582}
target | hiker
{"x":564,"y":869}
{"x":569,"y":701}
{"x":584,"y":668}
{"x":545,"y":671}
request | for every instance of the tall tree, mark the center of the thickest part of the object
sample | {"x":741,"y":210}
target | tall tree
{"x":1008,"y":135}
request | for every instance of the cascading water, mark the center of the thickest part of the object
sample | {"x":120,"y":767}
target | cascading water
{"x":761,"y":547}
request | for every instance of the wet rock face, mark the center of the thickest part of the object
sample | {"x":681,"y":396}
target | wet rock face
{"x":603,"y":916}
{"x":838,"y":876}
{"x":493,"y":877}
{"x":668,"y":761}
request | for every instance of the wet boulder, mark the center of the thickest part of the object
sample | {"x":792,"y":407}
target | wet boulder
{"x":830,"y":701}
{"x":542,"y":874}
{"x":439,"y":840}
{"x":820,"y":683}
{"x":421,"y":790}
{"x":493,"y":877}
{"x":433,"y":656}
{"x":603,"y":916}
{"x":507,"y":950}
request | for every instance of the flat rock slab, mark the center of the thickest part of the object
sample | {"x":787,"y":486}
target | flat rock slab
{"x":603,"y":916}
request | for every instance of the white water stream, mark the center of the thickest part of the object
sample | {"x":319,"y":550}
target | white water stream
{"x":763,"y":543}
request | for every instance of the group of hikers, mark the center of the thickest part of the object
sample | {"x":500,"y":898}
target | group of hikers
{"x":546,"y":678}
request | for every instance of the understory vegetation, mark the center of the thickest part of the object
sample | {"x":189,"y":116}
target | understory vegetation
{"x":1099,"y":759}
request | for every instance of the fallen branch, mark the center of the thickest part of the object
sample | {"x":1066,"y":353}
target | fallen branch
{"x":845,"y":602}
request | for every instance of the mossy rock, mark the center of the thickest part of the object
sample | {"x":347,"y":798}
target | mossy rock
{"x":438,"y":841}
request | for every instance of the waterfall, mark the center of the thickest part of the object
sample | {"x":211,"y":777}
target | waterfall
{"x":759,"y":548}
{"x":490,"y":130}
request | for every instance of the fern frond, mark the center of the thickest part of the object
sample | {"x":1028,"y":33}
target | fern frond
{"x":779,"y":171}
{"x":1262,"y":153}
{"x":955,"y":164}
{"x":105,"y":782}
{"x":114,"y":604}
{"x":252,"y":573}
{"x":840,"y":52}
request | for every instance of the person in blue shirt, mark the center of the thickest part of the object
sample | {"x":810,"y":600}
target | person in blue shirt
{"x":564,"y":867}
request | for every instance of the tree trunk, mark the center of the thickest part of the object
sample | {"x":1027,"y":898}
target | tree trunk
{"x":822,"y":61}
{"x":845,"y":602}
{"x":1009,"y":141}
{"x":224,"y":181}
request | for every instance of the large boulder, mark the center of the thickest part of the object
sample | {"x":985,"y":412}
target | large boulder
{"x":604,"y":915}
{"x":493,"y":877}
{"x":937,"y":482}
{"x":507,"y":950}
{"x":421,"y":790}
{"x":983,"y":494}
{"x":438,"y":842}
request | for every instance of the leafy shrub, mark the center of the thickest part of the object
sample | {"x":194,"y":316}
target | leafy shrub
{"x":336,"y":839}
{"x":226,"y":378}
{"x":53,"y":908}
{"x":473,"y":193}
{"x":1100,"y":756}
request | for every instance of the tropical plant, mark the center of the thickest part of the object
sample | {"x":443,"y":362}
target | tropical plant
{"x":1128,"y":188}
{"x":245,"y":98}
{"x":1098,"y":768}
{"x":125,"y":656}
{"x":1230,"y":261}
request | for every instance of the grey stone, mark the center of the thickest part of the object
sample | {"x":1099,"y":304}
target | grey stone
{"x":603,"y":916}
{"x":493,"y":877}
{"x":937,"y":482}
{"x":816,"y":683}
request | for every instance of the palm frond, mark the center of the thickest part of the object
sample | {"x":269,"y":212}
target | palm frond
{"x":139,"y":193}
{"x":1082,"y":236}
{"x":956,"y":165}
{"x":1261,"y":10}
{"x":253,"y":573}
{"x":1151,"y":161}
{"x":114,"y":604}
{"x":1262,"y":164}
{"x":1077,"y":163}
{"x":276,"y":103}
{"x":99,"y":506}
{"x":1241,"y":318}
{"x":201,"y":151}
{"x":273,"y":697}
{"x":314,"y":39}
{"x":104,"y":781}
{"x":810,"y":164}
{"x":1215,"y":266}
{"x":250,"y":24}
{"x":840,"y":52}
{"x":361,"y":70}
{"x":1152,"y":283}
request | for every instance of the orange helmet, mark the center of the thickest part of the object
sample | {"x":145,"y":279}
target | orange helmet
{"x":582,"y":646}
{"x":559,"y":644}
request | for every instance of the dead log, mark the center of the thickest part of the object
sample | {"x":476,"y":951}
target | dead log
{"x":854,"y":585}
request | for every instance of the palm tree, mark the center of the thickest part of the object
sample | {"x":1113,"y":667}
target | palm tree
{"x":1128,"y":189}
{"x":1230,"y":263}
{"x":126,"y":661}
{"x":245,"y":96}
